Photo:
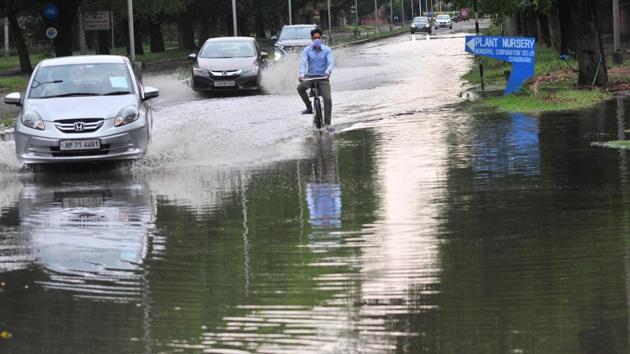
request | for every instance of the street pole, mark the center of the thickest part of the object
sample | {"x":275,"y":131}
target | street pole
{"x":356,"y":18}
{"x":391,"y":15}
{"x":132,"y":40}
{"x":617,"y":55}
{"x":375,"y":13}
{"x":411,"y":1}
{"x":420,"y":6}
{"x":6,"y":37}
{"x":111,"y":18}
{"x":402,"y":13}
{"x":234,"y":19}
{"x":329,"y":23}
{"x":82,"y":44}
{"x":290,"y":13}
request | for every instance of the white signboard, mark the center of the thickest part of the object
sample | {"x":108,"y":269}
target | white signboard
{"x":98,"y":21}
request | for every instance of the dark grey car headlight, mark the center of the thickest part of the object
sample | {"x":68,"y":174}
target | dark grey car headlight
{"x":199,"y":71}
{"x":250,"y":71}
{"x":33,"y":121}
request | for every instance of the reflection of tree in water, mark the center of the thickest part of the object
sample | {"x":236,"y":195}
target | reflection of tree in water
{"x":323,"y":191}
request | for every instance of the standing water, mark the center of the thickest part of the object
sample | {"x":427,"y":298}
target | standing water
{"x":419,"y":227}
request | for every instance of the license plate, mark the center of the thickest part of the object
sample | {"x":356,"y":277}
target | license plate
{"x":224,"y":83}
{"x":83,"y":202}
{"x":73,"y":145}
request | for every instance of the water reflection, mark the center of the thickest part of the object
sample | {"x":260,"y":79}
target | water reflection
{"x":508,"y":147}
{"x":323,"y":190}
{"x":380,"y":240}
{"x":90,"y":238}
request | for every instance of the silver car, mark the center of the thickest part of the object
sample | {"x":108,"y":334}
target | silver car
{"x":84,"y":108}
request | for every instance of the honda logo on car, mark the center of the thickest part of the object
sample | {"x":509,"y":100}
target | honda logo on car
{"x":79,"y":126}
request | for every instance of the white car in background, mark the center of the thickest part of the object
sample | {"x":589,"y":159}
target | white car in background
{"x":443,"y":21}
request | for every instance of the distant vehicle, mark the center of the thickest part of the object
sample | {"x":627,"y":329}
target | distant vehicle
{"x":293,"y":39}
{"x":228,"y":64}
{"x":464,"y":14}
{"x":443,"y":21}
{"x":84,"y":108}
{"x":421,"y":24}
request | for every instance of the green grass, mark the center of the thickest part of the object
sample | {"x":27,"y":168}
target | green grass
{"x":13,"y":62}
{"x":616,"y":144}
{"x":7,"y":122}
{"x":560,"y":100}
{"x":13,"y":83}
{"x":558,"y":94}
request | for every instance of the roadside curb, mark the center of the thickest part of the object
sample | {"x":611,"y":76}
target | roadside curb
{"x":372,"y":39}
{"x":175,"y":61}
{"x":7,"y":134}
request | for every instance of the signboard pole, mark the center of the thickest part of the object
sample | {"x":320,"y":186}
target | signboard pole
{"x":391,"y":15}
{"x":483,"y":85}
{"x":617,"y":56}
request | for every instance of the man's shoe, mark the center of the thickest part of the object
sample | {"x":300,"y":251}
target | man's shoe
{"x":307,"y":111}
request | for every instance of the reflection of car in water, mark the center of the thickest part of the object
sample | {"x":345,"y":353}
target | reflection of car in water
{"x":323,"y":191}
{"x":88,"y":234}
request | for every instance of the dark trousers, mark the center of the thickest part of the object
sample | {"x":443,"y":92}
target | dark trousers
{"x":324,"y":91}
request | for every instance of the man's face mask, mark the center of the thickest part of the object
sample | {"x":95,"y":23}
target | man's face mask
{"x":317,"y":43}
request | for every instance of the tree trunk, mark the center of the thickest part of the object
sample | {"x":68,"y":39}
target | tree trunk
{"x":589,"y":48}
{"x":260,"y":22}
{"x":544,"y":33}
{"x":157,"y":38}
{"x":20,"y":44}
{"x":567,"y":29}
{"x":64,"y":43}
{"x":555,"y":34}
{"x":138,"y":26}
{"x":102,"y":42}
{"x":186,"y":31}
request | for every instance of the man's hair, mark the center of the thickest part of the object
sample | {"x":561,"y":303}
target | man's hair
{"x":316,"y":30}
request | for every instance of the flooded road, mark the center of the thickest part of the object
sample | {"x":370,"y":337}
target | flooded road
{"x":418,"y":227}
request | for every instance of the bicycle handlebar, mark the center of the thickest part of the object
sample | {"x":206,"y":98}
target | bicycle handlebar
{"x":315,"y":79}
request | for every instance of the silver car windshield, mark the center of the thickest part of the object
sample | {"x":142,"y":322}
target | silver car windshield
{"x":443,"y":17}
{"x":81,"y":80}
{"x":289,"y":33}
{"x":228,"y":50}
{"x":420,"y":20}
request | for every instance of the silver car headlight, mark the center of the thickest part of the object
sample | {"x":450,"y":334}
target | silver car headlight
{"x":252,"y":70}
{"x":126,"y":116}
{"x":33,"y":121}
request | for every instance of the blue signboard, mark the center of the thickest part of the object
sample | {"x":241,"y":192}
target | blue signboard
{"x":51,"y":11}
{"x":520,"y":51}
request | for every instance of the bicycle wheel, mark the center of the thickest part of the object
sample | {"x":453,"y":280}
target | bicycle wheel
{"x":318,"y":113}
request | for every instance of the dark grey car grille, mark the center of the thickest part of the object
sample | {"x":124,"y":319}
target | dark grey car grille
{"x":87,"y":125}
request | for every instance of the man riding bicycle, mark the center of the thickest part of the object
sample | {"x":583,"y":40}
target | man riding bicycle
{"x":317,"y":61}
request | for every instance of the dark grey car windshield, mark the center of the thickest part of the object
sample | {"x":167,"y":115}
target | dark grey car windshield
{"x":289,"y":33}
{"x":228,"y":50}
{"x":81,"y":80}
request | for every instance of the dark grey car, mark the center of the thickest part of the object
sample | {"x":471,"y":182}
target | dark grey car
{"x":293,"y":39}
{"x":228,"y":64}
{"x":421,"y":24}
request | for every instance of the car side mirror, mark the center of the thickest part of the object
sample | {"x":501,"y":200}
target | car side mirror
{"x":192,"y":57}
{"x":14,"y":98}
{"x":274,"y":38}
{"x":151,"y":92}
{"x":264,"y":55}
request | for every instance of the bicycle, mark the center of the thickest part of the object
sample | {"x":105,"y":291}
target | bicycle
{"x":318,"y":118}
